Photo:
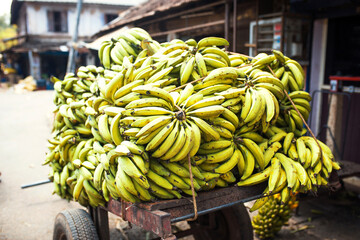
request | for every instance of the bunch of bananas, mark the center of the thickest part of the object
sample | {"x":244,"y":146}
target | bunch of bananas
{"x":291,"y":164}
{"x":273,"y":215}
{"x":128,"y":129}
{"x":126,"y":44}
{"x":289,"y":118}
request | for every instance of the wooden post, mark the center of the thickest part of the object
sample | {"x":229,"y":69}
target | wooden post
{"x":71,"y":61}
{"x":226,"y":25}
{"x":317,"y":69}
{"x":234,"y":25}
{"x":335,"y":124}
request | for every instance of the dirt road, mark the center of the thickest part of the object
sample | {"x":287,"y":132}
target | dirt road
{"x":24,"y":127}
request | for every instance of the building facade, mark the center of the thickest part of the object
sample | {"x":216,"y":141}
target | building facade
{"x":45,"y":28}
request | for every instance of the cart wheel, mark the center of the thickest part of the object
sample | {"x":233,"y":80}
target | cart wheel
{"x":74,"y":224}
{"x":228,"y":223}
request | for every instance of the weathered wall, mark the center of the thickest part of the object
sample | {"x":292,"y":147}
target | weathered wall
{"x":92,"y":18}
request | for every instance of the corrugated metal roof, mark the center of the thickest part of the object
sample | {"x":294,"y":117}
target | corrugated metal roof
{"x":146,"y":9}
{"x":106,"y":2}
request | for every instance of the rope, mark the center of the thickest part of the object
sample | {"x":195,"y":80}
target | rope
{"x":300,"y":115}
{"x":240,"y":54}
{"x":123,"y":210}
{"x":193,"y":192}
{"x":186,"y":84}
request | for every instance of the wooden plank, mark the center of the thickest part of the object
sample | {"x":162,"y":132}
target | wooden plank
{"x":348,"y":169}
{"x":159,"y":19}
{"x":209,"y":24}
{"x":226,"y":194}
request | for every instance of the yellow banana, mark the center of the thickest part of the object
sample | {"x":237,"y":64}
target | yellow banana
{"x":176,"y":169}
{"x":200,"y":64}
{"x":220,"y":156}
{"x":167,"y":143}
{"x":159,"y":180}
{"x":161,"y":136}
{"x":270,"y":152}
{"x":222,"y":73}
{"x":220,"y":144}
{"x":129,"y":167}
{"x":147,"y":102}
{"x":256,"y":152}
{"x":147,"y":111}
{"x":275,"y":174}
{"x":178,"y":182}
{"x":127,"y":88}
{"x":256,"y":178}
{"x":188,"y":68}
{"x":206,"y":128}
{"x":123,"y":179}
{"x":154,"y":124}
{"x":206,"y":103}
{"x":197,"y":138}
{"x":159,"y":169}
{"x":207,"y":112}
{"x":185,"y":94}
{"x":177,"y":145}
{"x":189,"y":141}
{"x":291,"y":173}
{"x":212,"y":41}
{"x":154,"y":91}
{"x":229,"y":164}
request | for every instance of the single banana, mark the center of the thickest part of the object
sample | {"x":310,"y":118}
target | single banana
{"x":256,"y":152}
{"x":229,"y":164}
{"x":212,"y":41}
{"x":270,"y":152}
{"x":159,"y":180}
{"x":256,"y":178}
{"x":290,"y":170}
{"x":177,"y":145}
{"x":168,"y":142}
{"x":206,"y":128}
{"x":185,"y":74}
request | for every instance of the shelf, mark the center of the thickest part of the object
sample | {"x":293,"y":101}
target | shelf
{"x":267,"y":40}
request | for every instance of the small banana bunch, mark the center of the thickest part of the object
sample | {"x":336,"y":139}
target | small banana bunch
{"x":273,"y":215}
{"x":237,"y":60}
{"x":289,"y":117}
{"x":287,"y":70}
{"x":126,"y":44}
{"x":291,"y":164}
{"x":73,"y":178}
{"x":191,"y":60}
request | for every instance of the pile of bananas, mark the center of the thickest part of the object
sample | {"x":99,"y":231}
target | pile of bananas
{"x":273,"y":215}
{"x":128,"y":129}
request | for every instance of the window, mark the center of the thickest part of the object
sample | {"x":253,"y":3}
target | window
{"x":57,"y":21}
{"x":109,"y":17}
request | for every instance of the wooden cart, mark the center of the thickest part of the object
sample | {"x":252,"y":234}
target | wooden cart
{"x":221,"y":215}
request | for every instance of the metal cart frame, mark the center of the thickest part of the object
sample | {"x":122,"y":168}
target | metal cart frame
{"x":158,"y":216}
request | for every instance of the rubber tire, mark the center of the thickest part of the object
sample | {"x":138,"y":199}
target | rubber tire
{"x":74,"y":224}
{"x":232,"y":223}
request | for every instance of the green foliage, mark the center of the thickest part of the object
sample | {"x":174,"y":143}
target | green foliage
{"x":7,"y":31}
{"x":4,"y":21}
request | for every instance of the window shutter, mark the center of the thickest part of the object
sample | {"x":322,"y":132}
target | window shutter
{"x":50,"y":17}
{"x":64,"y":21}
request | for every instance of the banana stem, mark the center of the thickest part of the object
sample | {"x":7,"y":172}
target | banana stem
{"x":240,"y":54}
{"x":193,"y":192}
{"x":300,"y":115}
{"x":179,"y":87}
{"x":180,"y":114}
{"x":246,"y":65}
